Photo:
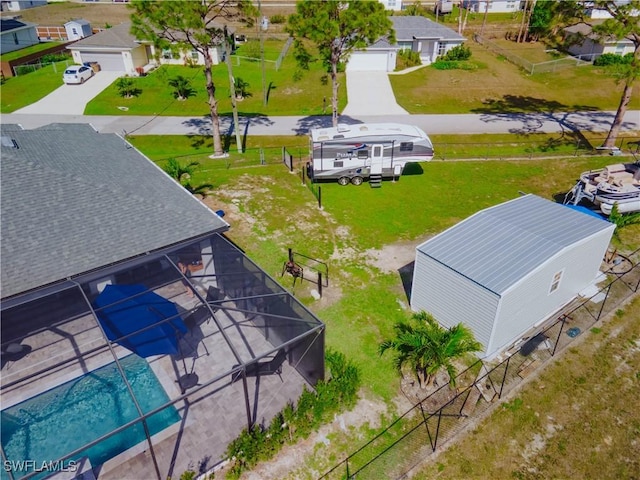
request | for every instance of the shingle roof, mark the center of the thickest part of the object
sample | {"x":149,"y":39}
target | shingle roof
{"x":6,"y":25}
{"x":499,"y":246}
{"x":410,"y":27}
{"x":73,"y":200}
{"x":114,"y":37}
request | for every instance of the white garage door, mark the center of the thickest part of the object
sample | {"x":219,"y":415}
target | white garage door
{"x":367,"y":62}
{"x":112,"y":62}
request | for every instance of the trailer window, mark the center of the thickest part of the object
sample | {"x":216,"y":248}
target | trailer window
{"x":406,"y":146}
{"x":362,"y":154}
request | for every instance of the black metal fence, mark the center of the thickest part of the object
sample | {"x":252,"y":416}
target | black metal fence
{"x":430,"y":423}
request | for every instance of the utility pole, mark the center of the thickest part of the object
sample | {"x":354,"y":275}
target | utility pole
{"x":262,"y":27}
{"x":232,"y":88}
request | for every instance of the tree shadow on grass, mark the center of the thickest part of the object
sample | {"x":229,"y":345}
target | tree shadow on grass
{"x":202,"y":127}
{"x":529,"y":114}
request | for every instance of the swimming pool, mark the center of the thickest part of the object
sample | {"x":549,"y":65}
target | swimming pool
{"x":60,"y":420}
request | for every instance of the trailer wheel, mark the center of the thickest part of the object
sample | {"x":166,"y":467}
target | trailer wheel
{"x":357,"y":181}
{"x":343,"y":181}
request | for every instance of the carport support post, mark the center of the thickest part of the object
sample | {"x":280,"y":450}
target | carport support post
{"x":246,"y":399}
{"x":320,"y":283}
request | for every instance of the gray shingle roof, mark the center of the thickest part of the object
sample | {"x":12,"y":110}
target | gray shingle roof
{"x":114,"y":37}
{"x":73,"y":200}
{"x":499,"y":246}
{"x":410,"y":27}
{"x":6,"y":25}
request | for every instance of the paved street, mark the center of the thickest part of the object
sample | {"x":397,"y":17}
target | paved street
{"x":262,"y":125}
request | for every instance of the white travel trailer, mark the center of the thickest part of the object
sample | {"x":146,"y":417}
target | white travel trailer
{"x":353,"y":153}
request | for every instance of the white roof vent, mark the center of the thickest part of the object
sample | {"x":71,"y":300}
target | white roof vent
{"x":342,"y":127}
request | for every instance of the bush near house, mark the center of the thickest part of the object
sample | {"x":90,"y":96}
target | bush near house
{"x":338,"y":393}
{"x":607,"y":59}
{"x":407,"y":59}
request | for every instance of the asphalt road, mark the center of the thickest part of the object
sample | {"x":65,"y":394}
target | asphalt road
{"x":261,"y":125}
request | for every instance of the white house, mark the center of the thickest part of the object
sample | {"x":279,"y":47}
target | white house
{"x":506,"y":269}
{"x":395,"y":5}
{"x":588,"y":46}
{"x":77,"y":29}
{"x":116,"y":49}
{"x":16,"y":34}
{"x":17,"y":5}
{"x":495,"y":6}
{"x":417,"y":33}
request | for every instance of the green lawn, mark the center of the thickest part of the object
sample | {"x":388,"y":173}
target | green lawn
{"x":286,"y":96}
{"x":276,"y":212}
{"x":23,"y":52}
{"x":498,"y":86}
{"x":18,"y":92}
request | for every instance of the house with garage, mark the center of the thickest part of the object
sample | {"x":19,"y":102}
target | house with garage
{"x":130,"y":325}
{"x":117,"y":49}
{"x":17,"y":34}
{"x":494,"y":6}
{"x":415,"y":33}
{"x":586,"y":45}
{"x":17,"y":5}
{"x":507,"y":269}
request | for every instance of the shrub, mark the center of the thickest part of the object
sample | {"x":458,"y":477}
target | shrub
{"x":337,"y":393}
{"x":55,"y":57}
{"x":407,"y":59}
{"x":277,"y":18}
{"x":182,"y":88}
{"x":453,"y":65}
{"x":459,"y":52}
{"x":607,"y":59}
{"x":127,"y":87}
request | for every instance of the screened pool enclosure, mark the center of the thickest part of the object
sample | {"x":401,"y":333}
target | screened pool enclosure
{"x":147,"y":368}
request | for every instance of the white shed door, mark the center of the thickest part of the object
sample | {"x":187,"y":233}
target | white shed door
{"x":112,"y":62}
{"x":367,"y":62}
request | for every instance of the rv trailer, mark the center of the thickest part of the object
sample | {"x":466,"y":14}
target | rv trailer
{"x":354,"y":153}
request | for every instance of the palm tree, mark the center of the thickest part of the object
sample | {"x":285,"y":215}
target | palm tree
{"x":426,"y":347}
{"x":178,"y":171}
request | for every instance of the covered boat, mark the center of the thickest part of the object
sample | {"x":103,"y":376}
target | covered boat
{"x":614,"y":184}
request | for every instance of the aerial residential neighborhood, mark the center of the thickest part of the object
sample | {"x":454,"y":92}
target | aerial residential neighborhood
{"x":319,"y":239}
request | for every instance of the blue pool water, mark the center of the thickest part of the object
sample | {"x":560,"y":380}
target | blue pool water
{"x":56,"y":422}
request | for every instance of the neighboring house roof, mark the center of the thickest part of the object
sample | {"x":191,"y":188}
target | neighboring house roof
{"x":499,"y":246}
{"x":13,"y":24}
{"x":79,"y":21}
{"x":117,"y":37}
{"x":586,"y":30}
{"x":416,"y":27}
{"x":74,"y":200}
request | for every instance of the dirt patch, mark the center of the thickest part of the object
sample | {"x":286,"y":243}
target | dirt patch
{"x":292,"y":457}
{"x":392,"y":258}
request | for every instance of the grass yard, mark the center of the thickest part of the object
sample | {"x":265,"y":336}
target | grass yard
{"x":578,"y":419}
{"x":286,"y":96}
{"x":269,"y":211}
{"x":18,"y":92}
{"x":499,"y":86}
{"x":7,"y":57}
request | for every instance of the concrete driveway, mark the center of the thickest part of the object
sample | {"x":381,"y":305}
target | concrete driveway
{"x":71,"y":99}
{"x":370,"y":93}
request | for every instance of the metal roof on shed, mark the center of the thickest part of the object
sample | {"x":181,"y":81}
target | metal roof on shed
{"x":74,"y":200}
{"x":499,"y":246}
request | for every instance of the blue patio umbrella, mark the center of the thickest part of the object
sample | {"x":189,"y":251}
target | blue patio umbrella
{"x":124,"y":309}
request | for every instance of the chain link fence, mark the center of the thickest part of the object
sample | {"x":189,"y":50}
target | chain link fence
{"x":528,"y":66}
{"x":57,"y":67}
{"x":435,"y":420}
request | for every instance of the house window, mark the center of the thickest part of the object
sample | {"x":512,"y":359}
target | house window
{"x":406,"y":147}
{"x":405,"y":45}
{"x":555,"y":283}
{"x":442,"y":48}
{"x":194,"y":54}
{"x":166,"y":54}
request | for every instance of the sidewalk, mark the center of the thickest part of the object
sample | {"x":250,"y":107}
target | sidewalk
{"x":262,"y":125}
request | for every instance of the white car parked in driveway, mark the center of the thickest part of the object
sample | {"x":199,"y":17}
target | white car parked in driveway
{"x":77,"y":74}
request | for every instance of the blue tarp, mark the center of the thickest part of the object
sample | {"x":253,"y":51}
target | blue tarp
{"x":586,"y":211}
{"x":129,"y":315}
